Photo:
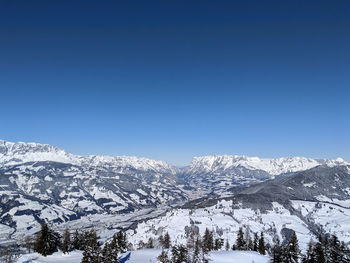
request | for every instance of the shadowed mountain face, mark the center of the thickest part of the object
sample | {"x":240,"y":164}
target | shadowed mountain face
{"x":319,"y":183}
{"x":322,"y":183}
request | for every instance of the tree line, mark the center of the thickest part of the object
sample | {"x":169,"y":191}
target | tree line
{"x":328,"y":249}
{"x":48,"y":241}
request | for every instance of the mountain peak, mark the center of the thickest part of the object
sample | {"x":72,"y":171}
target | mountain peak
{"x":274,"y":166}
{"x":12,"y":153}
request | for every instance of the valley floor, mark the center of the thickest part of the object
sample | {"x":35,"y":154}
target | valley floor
{"x":148,"y":256}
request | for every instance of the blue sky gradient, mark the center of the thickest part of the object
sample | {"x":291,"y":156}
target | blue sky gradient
{"x":171,"y":80}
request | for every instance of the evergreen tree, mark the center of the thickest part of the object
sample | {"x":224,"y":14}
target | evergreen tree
{"x":319,"y":251}
{"x":167,"y":241}
{"x":335,"y":253}
{"x":111,"y":251}
{"x":77,"y":242}
{"x":218,"y":244}
{"x":121,"y":241}
{"x":294,"y":248}
{"x":191,"y":240}
{"x":163,"y":257}
{"x":207,"y":242}
{"x":161,"y":241}
{"x":106,"y":254}
{"x":179,"y":254}
{"x":240,"y":242}
{"x":255,"y":242}
{"x":247,"y":239}
{"x":66,"y":243}
{"x":326,"y":248}
{"x":47,"y":241}
{"x":310,"y":256}
{"x":344,"y":253}
{"x":261,"y":245}
{"x":150,"y":243}
{"x":92,"y":250}
{"x":227,"y":245}
{"x":276,"y":252}
{"x":291,"y":251}
{"x":196,"y":253}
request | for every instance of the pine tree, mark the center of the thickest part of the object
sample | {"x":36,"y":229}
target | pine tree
{"x":294,"y":248}
{"x":121,"y":241}
{"x":167,"y":241}
{"x":183,"y":254}
{"x":77,"y":242}
{"x":319,"y":253}
{"x":111,"y":251}
{"x":255,"y":242}
{"x":47,"y":241}
{"x":344,"y":253}
{"x":276,"y":252}
{"x":92,"y":250}
{"x":291,"y":251}
{"x":196,"y":253}
{"x":310,"y":256}
{"x":179,"y":254}
{"x":261,"y":245}
{"x":150,"y":243}
{"x":161,"y":241}
{"x":163,"y":257}
{"x":227,"y":245}
{"x":247,"y":239}
{"x":106,"y":254}
{"x":191,"y":240}
{"x":335,"y":253}
{"x":326,"y":247}
{"x":66,"y":243}
{"x":240,"y":242}
{"x":218,"y":244}
{"x":207,"y":242}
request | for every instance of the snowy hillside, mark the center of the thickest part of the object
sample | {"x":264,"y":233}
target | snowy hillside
{"x":40,"y":182}
{"x":310,"y":203}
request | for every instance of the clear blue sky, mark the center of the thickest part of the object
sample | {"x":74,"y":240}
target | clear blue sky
{"x":171,"y":80}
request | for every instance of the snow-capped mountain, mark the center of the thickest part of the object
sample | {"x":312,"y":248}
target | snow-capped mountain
{"x":44,"y":183}
{"x":309,"y":202}
{"x":40,"y":182}
{"x":16,"y":153}
{"x":218,"y":173}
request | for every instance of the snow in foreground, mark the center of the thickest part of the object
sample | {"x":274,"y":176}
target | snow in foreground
{"x":148,"y":256}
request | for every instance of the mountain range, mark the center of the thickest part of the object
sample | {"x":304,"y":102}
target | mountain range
{"x":40,"y":182}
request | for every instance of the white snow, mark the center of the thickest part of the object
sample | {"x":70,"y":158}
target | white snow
{"x":20,"y":152}
{"x":148,"y":256}
{"x":270,"y":165}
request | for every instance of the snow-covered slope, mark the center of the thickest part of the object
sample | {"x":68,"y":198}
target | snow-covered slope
{"x":147,"y":256}
{"x":223,"y":171}
{"x":42,"y":182}
{"x":309,"y":202}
